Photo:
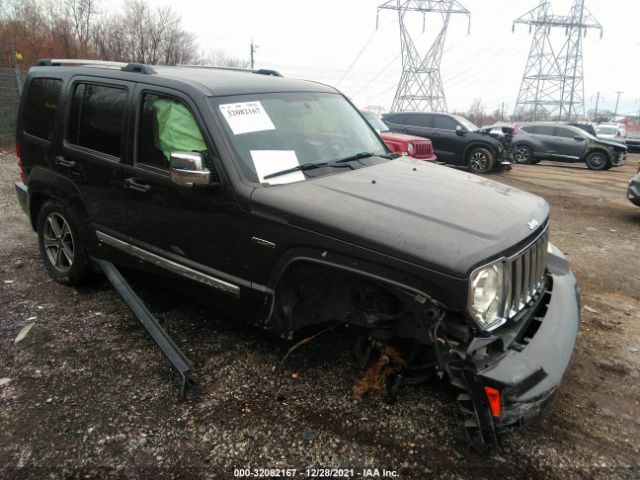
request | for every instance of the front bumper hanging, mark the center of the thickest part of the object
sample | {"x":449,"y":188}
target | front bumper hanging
{"x":515,"y":389}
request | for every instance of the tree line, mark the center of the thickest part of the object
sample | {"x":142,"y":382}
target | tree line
{"x":138,"y":33}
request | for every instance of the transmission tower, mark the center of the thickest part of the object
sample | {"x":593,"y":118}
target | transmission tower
{"x":420,"y":87}
{"x":553,"y":82}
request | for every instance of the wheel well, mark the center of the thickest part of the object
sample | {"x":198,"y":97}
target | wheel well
{"x":311,"y":294}
{"x":37,"y":200}
{"x":478,"y":145}
{"x":597,"y":150}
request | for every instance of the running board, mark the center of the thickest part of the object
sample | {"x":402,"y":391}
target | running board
{"x":178,"y":359}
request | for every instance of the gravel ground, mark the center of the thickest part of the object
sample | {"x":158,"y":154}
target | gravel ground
{"x":90,"y":396}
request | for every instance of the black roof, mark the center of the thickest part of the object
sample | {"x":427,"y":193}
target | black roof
{"x":212,"y":81}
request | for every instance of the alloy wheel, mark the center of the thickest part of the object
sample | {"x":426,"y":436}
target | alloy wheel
{"x":478,"y":161}
{"x":58,"y":242}
{"x":522,"y":155}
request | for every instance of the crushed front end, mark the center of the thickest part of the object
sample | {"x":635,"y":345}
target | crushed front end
{"x":512,"y":372}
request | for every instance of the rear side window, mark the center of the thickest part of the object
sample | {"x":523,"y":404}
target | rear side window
{"x":444,"y":123}
{"x":539,"y":129}
{"x":419,"y":120}
{"x":97,"y":116}
{"x":394,"y":119}
{"x":565,"y":132}
{"x":41,"y":106}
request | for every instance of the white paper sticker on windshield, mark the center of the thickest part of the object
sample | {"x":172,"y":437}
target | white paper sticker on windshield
{"x":271,"y":161}
{"x":246,"y":117}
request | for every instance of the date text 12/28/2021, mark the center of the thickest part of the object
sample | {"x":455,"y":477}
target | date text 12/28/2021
{"x":315,"y":473}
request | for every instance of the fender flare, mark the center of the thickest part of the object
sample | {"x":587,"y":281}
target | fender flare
{"x":47,"y":184}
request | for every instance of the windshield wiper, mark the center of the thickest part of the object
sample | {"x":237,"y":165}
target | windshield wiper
{"x":303,"y":167}
{"x":360,"y":156}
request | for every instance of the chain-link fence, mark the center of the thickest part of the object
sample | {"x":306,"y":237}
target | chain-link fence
{"x":9,"y":99}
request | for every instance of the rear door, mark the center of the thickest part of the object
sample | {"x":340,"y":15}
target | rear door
{"x":95,"y":146}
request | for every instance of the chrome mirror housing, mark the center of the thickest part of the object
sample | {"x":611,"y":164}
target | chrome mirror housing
{"x":188,"y":170}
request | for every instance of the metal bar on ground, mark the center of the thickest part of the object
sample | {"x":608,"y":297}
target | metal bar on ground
{"x":173,"y":353}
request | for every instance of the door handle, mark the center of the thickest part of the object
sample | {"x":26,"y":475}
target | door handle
{"x":60,"y":160}
{"x":134,"y":185}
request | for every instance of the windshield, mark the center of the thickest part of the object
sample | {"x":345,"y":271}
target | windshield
{"x":274,"y":132}
{"x":470,"y":126}
{"x":607,"y":131}
{"x":375,"y":121}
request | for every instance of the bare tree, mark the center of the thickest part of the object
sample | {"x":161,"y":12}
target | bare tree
{"x":218,"y":57}
{"x":476,"y":111}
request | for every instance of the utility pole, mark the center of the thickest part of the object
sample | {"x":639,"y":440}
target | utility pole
{"x":252,"y":50}
{"x":553,"y":82}
{"x":615,"y":113}
{"x":595,"y":113}
{"x":502,"y":112}
{"x":420,"y":87}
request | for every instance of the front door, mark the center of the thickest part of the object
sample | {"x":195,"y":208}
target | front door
{"x":566,"y":143}
{"x":203,"y":228}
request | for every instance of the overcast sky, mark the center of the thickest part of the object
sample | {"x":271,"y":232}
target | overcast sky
{"x":319,"y":40}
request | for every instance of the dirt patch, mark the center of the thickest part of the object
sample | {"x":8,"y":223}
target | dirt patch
{"x":89,"y":394}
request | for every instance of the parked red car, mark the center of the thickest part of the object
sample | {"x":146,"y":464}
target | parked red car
{"x":417,"y":147}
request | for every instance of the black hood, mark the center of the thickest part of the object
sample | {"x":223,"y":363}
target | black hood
{"x":429,"y":215}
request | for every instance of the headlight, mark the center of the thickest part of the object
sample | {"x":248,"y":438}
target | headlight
{"x":411,"y":148}
{"x":486,"y":296}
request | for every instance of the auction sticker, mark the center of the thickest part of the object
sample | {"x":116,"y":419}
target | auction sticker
{"x":246,"y":117}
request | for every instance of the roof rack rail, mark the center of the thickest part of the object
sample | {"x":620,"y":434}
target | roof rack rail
{"x":123,"y":66}
{"x":261,"y":71}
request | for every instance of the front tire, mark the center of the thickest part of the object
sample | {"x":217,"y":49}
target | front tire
{"x":523,"y":154}
{"x":597,"y":161}
{"x":63,"y":241}
{"x":480,"y":160}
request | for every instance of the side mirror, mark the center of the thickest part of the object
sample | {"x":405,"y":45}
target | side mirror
{"x":188,"y":170}
{"x":460,"y":131}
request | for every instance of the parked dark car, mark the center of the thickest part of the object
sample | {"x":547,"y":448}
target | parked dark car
{"x":416,"y":147}
{"x":275,"y":200}
{"x":633,"y":142}
{"x":539,"y":141}
{"x":455,"y":139}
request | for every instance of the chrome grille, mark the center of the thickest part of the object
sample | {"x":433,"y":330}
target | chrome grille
{"x":524,"y":275}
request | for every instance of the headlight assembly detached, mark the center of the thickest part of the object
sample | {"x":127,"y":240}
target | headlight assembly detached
{"x":486,"y":296}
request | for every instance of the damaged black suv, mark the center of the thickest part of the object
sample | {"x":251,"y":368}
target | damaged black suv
{"x":277,"y":198}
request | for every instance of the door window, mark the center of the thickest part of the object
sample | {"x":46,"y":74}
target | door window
{"x":419,"y":120}
{"x":565,"y":133}
{"x":400,"y":119}
{"x":97,"y":117}
{"x":444,"y":123}
{"x":166,"y":125}
{"x":40,"y":106}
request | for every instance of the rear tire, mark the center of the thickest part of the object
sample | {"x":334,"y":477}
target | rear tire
{"x":480,"y":160}
{"x":523,"y":154}
{"x":63,"y":241}
{"x":597,"y":161}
